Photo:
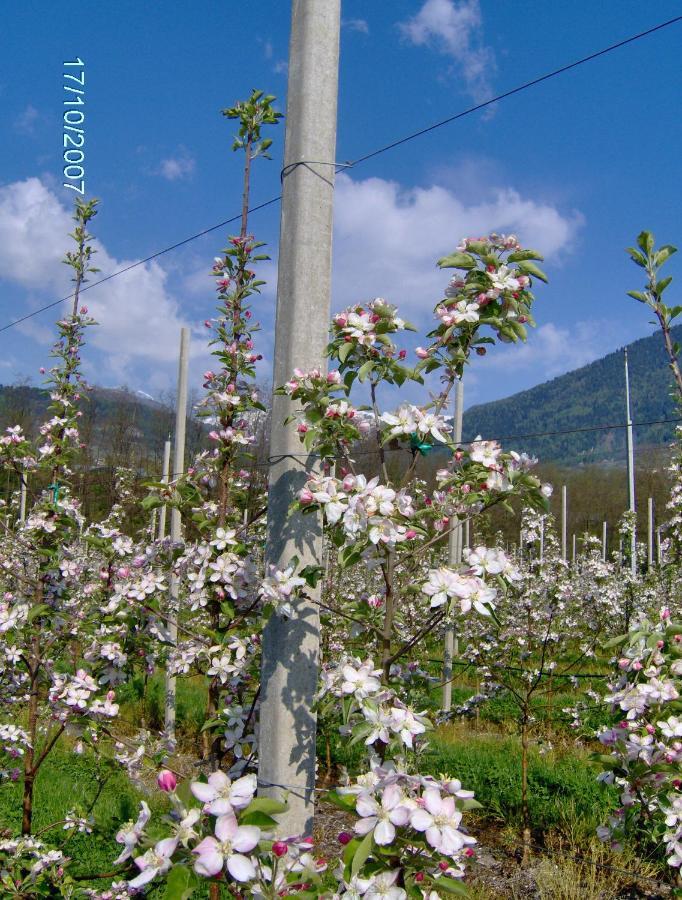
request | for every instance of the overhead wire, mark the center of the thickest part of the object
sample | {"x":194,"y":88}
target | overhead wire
{"x":361,"y":159}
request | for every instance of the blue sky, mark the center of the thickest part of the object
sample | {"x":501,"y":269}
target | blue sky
{"x":576,"y":166}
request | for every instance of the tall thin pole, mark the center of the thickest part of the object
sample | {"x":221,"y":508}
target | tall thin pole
{"x":630,"y":465}
{"x":542,"y":539}
{"x":22,"y":498}
{"x":454,"y":559}
{"x":564,"y":521}
{"x":165,"y":475}
{"x":573,"y":554}
{"x":603,"y":541}
{"x":175,"y":523}
{"x":650,"y":533}
{"x":291,"y":646}
{"x":659,"y":552}
{"x":467,"y":534}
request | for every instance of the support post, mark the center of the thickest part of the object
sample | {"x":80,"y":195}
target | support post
{"x":650,"y":533}
{"x":175,"y":525}
{"x":454,"y":558}
{"x":630,"y":465}
{"x":22,"y":498}
{"x":603,"y":541}
{"x":291,"y":646}
{"x":165,"y":476}
{"x":564,"y":521}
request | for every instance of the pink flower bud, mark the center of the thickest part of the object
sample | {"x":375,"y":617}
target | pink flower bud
{"x":345,"y":838}
{"x":418,"y":876}
{"x":422,"y":353}
{"x":665,"y":613}
{"x":279,"y":848}
{"x":443,"y":865}
{"x":167,"y":781}
{"x":660,"y":644}
{"x":402,"y":354}
{"x":481,"y":351}
{"x":41,"y":370}
{"x":305,"y":496}
{"x":302,"y":428}
{"x":410,"y":534}
{"x":208,"y":323}
{"x":623,"y":663}
{"x":650,"y":729}
{"x":84,"y":310}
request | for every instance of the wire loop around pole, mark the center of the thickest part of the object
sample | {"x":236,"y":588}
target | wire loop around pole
{"x":288,"y":169}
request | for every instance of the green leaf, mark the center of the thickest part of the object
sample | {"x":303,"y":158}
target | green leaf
{"x":261,"y":819}
{"x":36,"y":611}
{"x":637,"y":257}
{"x":638,"y":295}
{"x":664,"y":253}
{"x":344,"y":350}
{"x":451,"y":886}
{"x":365,"y":370}
{"x":520,"y":255}
{"x":663,"y":284}
{"x":312,"y":575}
{"x":529,"y":268}
{"x":615,"y":642}
{"x":361,"y":854}
{"x":181,"y":883}
{"x":457,"y":261}
{"x":266,"y":805}
{"x":645,"y":240}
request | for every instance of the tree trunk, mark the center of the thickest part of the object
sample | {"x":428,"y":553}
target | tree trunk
{"x":525,"y":811}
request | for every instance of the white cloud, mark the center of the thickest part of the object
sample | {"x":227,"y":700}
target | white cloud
{"x":139,"y":318}
{"x":281,"y":67}
{"x":176,"y":167}
{"x":454,"y":29}
{"x":26,"y":121}
{"x":359,"y":25}
{"x":387,"y":238}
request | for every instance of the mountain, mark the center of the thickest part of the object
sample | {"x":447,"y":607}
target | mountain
{"x":593,"y":395}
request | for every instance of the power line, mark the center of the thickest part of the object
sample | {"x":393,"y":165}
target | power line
{"x":361,"y":159}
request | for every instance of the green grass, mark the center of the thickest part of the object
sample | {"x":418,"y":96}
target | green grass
{"x":564,"y":794}
{"x":66,"y":781}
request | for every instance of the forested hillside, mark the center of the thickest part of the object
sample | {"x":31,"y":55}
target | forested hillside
{"x":587,"y":397}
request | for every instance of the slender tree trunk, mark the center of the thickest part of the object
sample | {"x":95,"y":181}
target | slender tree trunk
{"x":389,"y":615}
{"x":525,"y":811}
{"x":29,"y":756}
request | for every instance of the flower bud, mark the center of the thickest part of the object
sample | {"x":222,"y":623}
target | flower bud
{"x":345,"y":838}
{"x":279,"y":848}
{"x":166,"y":780}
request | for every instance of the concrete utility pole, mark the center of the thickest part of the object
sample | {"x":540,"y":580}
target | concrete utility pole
{"x":631,"y":465}
{"x":165,"y":476}
{"x":564,"y":520}
{"x":175,"y":523}
{"x":650,"y":533}
{"x":603,"y":541}
{"x":573,"y":554}
{"x":291,"y":646}
{"x":542,"y":539}
{"x":454,"y":558}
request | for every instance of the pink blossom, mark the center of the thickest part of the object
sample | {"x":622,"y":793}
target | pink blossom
{"x":227,"y":848}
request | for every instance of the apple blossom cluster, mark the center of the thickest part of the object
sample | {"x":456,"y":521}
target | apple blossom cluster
{"x":420,"y":814}
{"x":494,"y":291}
{"x":362,"y":510}
{"x":467,"y":586}
{"x":372,"y":711}
{"x":644,"y":746}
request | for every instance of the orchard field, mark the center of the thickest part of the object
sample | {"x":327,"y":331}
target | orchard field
{"x":491,"y":720}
